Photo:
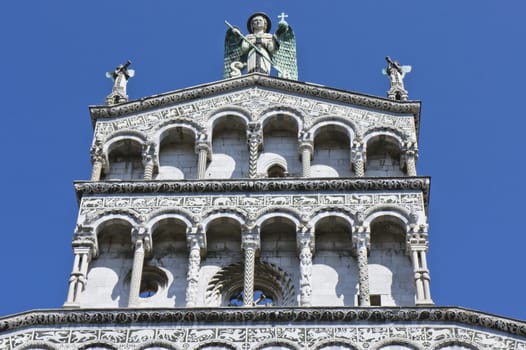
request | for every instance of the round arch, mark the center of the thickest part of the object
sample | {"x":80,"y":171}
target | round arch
{"x":266,"y":115}
{"x":215,"y":116}
{"x":342,"y":123}
{"x":165,"y":128}
{"x":455,"y":345}
{"x":334,"y":345}
{"x":399,"y":213}
{"x":216,"y":345}
{"x":207,"y":220}
{"x":281,"y":344}
{"x":36,"y":345}
{"x":158,"y":216}
{"x":397,"y":135}
{"x":291,"y":213}
{"x":396,"y":344}
{"x":328,"y":212}
{"x":123,"y":135}
{"x":105,"y":217}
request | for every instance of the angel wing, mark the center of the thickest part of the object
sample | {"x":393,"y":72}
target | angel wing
{"x":406,"y":69}
{"x":285,"y":57}
{"x":131,"y":73}
{"x":232,"y":51}
{"x":109,"y":75}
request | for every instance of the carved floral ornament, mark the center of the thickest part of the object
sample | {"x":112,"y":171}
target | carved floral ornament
{"x":359,"y":328}
{"x":254,"y":105}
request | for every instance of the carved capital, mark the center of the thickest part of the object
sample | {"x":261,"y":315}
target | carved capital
{"x":149,"y":152}
{"x":84,"y":238}
{"x":306,"y":145}
{"x":417,"y":241}
{"x":141,"y":237}
{"x":250,"y":238}
{"x":358,"y":151}
{"x":97,"y":152}
{"x":361,"y":239}
{"x":196,"y":238}
{"x":254,"y":134}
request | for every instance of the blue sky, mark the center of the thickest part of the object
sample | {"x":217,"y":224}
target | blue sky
{"x":468,"y":71}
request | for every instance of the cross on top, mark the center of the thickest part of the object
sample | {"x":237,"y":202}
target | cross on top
{"x":282,"y":17}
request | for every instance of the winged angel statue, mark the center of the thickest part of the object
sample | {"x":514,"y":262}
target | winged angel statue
{"x":120,"y":77}
{"x":261,"y":51}
{"x":396,"y":74}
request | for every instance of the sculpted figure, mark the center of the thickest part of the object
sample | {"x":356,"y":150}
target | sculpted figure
{"x":396,"y":74}
{"x":260,"y":51}
{"x":120,"y":77}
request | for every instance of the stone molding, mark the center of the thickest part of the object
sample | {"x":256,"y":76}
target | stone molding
{"x":357,"y":316}
{"x":224,"y":86}
{"x":245,"y":185}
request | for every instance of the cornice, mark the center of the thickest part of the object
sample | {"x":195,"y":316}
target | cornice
{"x":421,"y":183}
{"x":440,"y":315}
{"x":255,"y":79}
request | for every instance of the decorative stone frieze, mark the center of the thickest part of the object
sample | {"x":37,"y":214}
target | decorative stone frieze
{"x":258,"y":103}
{"x":245,"y":185}
{"x":201,"y":95}
{"x":303,"y":328}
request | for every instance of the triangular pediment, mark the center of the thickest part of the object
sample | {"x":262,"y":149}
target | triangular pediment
{"x":255,"y":95}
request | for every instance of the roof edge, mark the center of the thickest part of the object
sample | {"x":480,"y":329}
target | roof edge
{"x":349,"y":315}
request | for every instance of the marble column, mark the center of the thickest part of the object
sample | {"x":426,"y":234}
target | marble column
{"x":361,"y":245}
{"x":97,"y":160}
{"x":306,"y":243}
{"x":410,"y":162}
{"x":194,"y":265}
{"x":358,"y":158}
{"x":417,"y":246}
{"x":203,"y":150}
{"x":148,"y":157}
{"x":306,"y":150}
{"x":84,"y":247}
{"x":141,"y":242}
{"x":250,"y":245}
{"x":254,"y":139}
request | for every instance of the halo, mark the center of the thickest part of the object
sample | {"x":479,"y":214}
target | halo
{"x":262,"y":14}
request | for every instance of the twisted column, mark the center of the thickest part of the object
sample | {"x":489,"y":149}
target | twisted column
{"x":97,"y":160}
{"x":361,"y":244}
{"x":358,"y":158}
{"x":148,"y":158}
{"x":305,"y":256}
{"x":203,"y":149}
{"x":250,"y":244}
{"x":254,"y":138}
{"x":306,"y":150}
{"x":194,"y":264}
{"x":141,"y":239}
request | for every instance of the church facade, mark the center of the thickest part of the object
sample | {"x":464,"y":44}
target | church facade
{"x":256,"y":212}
